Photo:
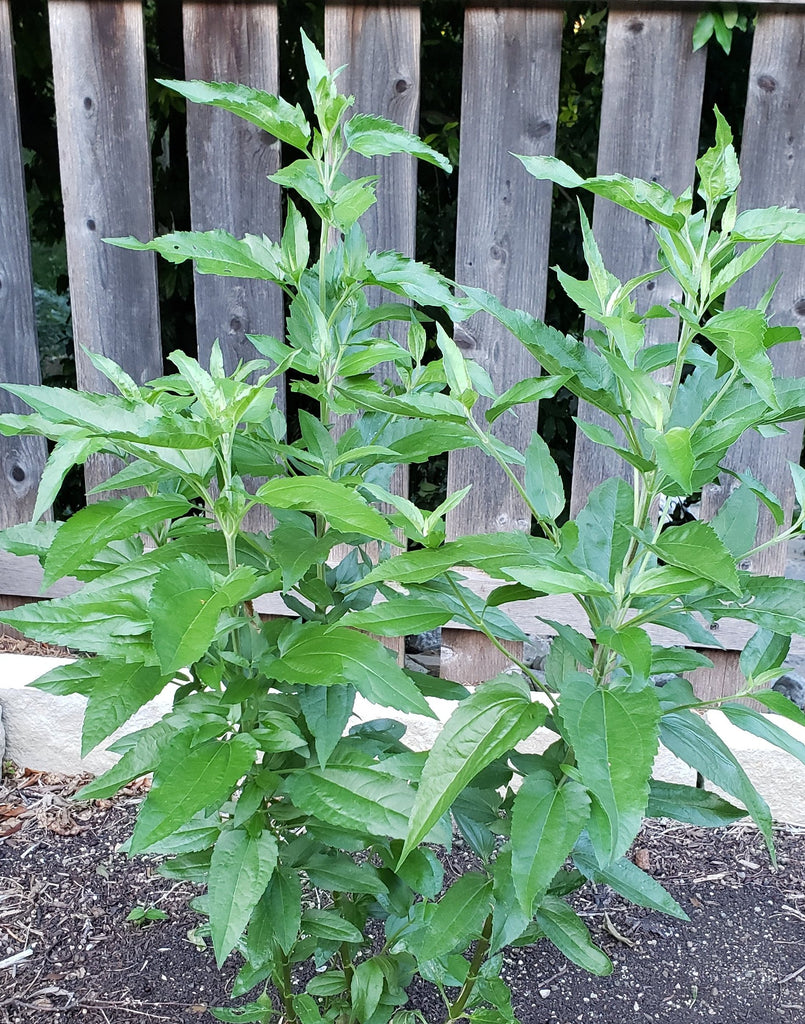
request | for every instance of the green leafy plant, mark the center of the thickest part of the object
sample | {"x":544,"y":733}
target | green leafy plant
{"x":314,"y":835}
{"x":142,"y":916}
{"x":720,"y":22}
{"x":610,"y":695}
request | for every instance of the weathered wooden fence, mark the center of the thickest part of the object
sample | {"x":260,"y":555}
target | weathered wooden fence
{"x":652,"y":98}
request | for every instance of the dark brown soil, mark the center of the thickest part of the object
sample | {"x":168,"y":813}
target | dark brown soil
{"x":67,"y":953}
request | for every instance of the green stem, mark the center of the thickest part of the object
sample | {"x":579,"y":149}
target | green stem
{"x":286,"y":993}
{"x":481,"y":949}
{"x":483,"y":628}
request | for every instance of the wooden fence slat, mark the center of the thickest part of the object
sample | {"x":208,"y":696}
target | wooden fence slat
{"x":229,"y":159}
{"x":772,"y":156}
{"x":104,"y":154}
{"x":21,"y":458}
{"x":509,"y":105}
{"x":653,"y":84}
{"x":379,"y":44}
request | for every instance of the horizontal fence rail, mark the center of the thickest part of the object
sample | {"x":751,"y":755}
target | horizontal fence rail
{"x":650,"y":116}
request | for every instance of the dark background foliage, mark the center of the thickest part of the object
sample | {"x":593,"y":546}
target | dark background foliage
{"x":440,"y":119}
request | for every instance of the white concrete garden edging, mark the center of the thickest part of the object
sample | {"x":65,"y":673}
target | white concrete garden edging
{"x":44,"y":732}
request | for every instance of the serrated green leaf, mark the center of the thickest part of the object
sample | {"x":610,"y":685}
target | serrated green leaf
{"x":532,"y":389}
{"x":90,"y":529}
{"x":627,"y":879}
{"x":343,"y":507}
{"x":603,"y":540}
{"x":399,"y":616}
{"x":543,"y":484}
{"x":271,"y":113}
{"x":568,"y":933}
{"x":327,"y":709}
{"x":240,"y":870}
{"x":546,"y":822}
{"x":697,"y":548}
{"x":687,"y":735}
{"x":326,"y":924}
{"x":736,"y":521}
{"x":323,"y":655}
{"x":458,"y":916}
{"x":485,"y":725}
{"x":675,"y":457}
{"x":277,"y":916}
{"x":719,"y":175}
{"x":185,"y":605}
{"x":214,"y":252}
{"x":115,"y":691}
{"x":194,"y":779}
{"x":370,"y":136}
{"x":614,"y":732}
{"x":366,"y":988}
{"x":354,"y":798}
{"x":336,"y":872}
{"x":691,"y":805}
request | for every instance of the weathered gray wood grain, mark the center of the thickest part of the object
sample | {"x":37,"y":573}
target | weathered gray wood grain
{"x":650,"y":115}
{"x":772,"y":158}
{"x":104,"y":154}
{"x":509,"y":105}
{"x":21,"y":458}
{"x":229,"y":160}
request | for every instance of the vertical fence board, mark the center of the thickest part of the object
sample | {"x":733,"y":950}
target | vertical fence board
{"x":379,"y":44}
{"x":21,"y":458}
{"x":509,"y":105}
{"x":229,"y":159}
{"x":104,"y":154}
{"x":772,"y":157}
{"x":650,"y":115}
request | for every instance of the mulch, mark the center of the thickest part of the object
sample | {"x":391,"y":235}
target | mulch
{"x":68,"y":954}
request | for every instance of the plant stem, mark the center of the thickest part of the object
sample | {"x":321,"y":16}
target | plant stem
{"x":482,"y":948}
{"x":286,"y":993}
{"x":482,"y":628}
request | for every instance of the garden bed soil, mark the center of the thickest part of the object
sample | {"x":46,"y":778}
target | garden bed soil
{"x":68,"y":954}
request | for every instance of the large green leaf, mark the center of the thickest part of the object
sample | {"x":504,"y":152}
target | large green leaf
{"x":487,"y":552}
{"x":780,"y":705}
{"x":90,"y":529}
{"x":203,"y":776}
{"x":761,"y":726}
{"x":115,"y":690}
{"x":240,"y":870}
{"x":271,"y":113}
{"x":354,"y":797}
{"x":366,"y":988}
{"x":543,"y":484}
{"x":342,"y":506}
{"x":532,"y":389}
{"x":144,"y":754}
{"x":690,"y":804}
{"x":370,"y":135}
{"x":603,"y":540}
{"x":736,"y":521}
{"x":696,"y":547}
{"x":687,"y":735}
{"x":457,"y":918}
{"x":776,"y":603}
{"x":648,"y":199}
{"x":214,"y":252}
{"x":546,"y":822}
{"x":277,"y":916}
{"x":568,"y":933}
{"x":337,"y":872}
{"x":399,"y":616}
{"x":719,"y":175}
{"x":546,"y":579}
{"x":322,"y":655}
{"x":483,"y":727}
{"x":627,"y":879}
{"x":186,"y":603}
{"x":740,"y":334}
{"x":614,"y":734}
{"x":327,"y":709}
